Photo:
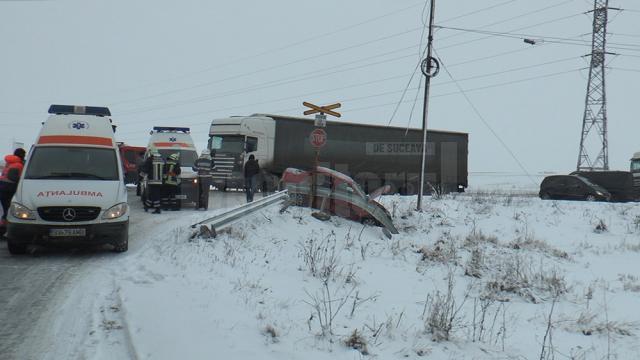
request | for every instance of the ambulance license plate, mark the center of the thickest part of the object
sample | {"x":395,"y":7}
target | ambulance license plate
{"x":181,"y":197}
{"x":67,"y":232}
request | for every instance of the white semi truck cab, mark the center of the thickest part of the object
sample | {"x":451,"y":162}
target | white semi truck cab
{"x":232,"y":140}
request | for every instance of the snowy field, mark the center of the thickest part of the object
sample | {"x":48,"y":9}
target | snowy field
{"x":471,"y":277}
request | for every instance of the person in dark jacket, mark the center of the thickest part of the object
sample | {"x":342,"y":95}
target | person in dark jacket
{"x":203,"y":166}
{"x":153,"y":168}
{"x":9,"y":183}
{"x":171,"y":182}
{"x":251,"y":171}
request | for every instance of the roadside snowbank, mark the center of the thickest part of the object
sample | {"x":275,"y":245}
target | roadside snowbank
{"x":471,"y":277}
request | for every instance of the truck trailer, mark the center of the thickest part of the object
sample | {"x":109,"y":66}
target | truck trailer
{"x":372,"y":155}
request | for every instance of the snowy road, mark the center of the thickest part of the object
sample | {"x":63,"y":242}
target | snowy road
{"x":33,"y":290}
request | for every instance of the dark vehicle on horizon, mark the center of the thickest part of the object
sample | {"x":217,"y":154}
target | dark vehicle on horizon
{"x":618,"y":183}
{"x":572,"y":187}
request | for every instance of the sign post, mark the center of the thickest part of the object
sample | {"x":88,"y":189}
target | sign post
{"x":318,"y":138}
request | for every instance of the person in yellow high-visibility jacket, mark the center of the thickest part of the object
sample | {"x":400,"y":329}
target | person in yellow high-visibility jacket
{"x":171,"y":182}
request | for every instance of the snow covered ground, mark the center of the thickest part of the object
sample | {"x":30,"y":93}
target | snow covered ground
{"x":471,"y":277}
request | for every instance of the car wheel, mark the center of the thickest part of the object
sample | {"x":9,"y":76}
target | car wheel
{"x":590,"y":198}
{"x":15,"y":248}
{"x":122,"y":245}
{"x":545,"y":196}
{"x":369,"y":221}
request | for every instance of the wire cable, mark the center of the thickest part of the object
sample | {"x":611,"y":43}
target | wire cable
{"x":484,"y":121}
{"x":253,"y":72}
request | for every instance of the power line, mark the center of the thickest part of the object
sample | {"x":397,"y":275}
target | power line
{"x":383,"y":105}
{"x":474,"y":77}
{"x":625,"y":69}
{"x":549,"y":39}
{"x":253,"y":72}
{"x":484,"y":121}
{"x":478,"y":11}
{"x":518,"y":29}
{"x":204,"y":84}
{"x":277,"y":49}
{"x":262,"y":86}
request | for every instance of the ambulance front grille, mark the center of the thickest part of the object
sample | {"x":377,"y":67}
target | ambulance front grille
{"x":68,"y":213}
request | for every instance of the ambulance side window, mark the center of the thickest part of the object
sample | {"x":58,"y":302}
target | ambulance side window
{"x":252,"y":144}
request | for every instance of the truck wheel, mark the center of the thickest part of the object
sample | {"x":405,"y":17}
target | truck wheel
{"x":122,"y":245}
{"x":15,"y":248}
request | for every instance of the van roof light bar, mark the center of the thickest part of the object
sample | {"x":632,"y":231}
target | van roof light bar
{"x":171,"y":129}
{"x":79,"y":110}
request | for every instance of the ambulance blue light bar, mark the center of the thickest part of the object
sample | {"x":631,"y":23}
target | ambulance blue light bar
{"x":79,"y":110}
{"x":171,"y":129}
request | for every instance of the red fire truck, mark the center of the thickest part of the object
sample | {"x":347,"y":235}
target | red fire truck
{"x":131,"y":158}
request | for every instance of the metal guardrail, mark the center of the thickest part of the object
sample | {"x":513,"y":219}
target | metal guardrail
{"x":217,"y":222}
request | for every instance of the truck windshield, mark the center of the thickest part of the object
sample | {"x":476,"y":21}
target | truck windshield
{"x":635,"y":165}
{"x":72,"y":163}
{"x":227,"y":143}
{"x":187,"y":157}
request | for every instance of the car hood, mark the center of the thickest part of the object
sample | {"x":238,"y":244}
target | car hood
{"x":36,"y":193}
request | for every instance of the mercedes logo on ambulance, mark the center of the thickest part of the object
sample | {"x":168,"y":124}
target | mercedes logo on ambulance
{"x":68,"y":214}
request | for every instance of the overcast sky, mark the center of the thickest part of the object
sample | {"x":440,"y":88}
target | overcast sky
{"x":184,"y":63}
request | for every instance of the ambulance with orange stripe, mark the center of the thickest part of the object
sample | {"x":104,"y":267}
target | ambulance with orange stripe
{"x":72,"y":190}
{"x":169,"y":140}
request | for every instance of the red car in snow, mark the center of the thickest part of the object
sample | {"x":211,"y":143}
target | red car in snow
{"x":337,"y":194}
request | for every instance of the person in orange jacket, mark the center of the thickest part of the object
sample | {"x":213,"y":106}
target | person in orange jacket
{"x":9,"y":183}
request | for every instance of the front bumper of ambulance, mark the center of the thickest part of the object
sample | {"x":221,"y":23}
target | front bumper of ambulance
{"x":47,"y":226}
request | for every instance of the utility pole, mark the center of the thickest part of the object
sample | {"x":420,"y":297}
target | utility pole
{"x":594,"y":121}
{"x":428,"y":71}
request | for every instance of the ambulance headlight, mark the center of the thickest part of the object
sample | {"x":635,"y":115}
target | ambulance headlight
{"x":115,"y":211}
{"x":22,"y":212}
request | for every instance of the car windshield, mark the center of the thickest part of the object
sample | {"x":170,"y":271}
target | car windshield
{"x":72,"y":163}
{"x":187,"y":157}
{"x":227,"y":143}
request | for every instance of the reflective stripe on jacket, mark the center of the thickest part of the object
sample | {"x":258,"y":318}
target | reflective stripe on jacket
{"x":171,"y":172}
{"x":203,"y":167}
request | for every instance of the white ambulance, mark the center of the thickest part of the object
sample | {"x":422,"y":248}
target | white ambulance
{"x":72,"y":190}
{"x":177,"y":140}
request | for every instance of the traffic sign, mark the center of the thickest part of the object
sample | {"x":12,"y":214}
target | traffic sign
{"x":318,"y":138}
{"x":327,"y":109}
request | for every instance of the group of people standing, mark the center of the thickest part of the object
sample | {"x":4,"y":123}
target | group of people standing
{"x":163,"y":182}
{"x":9,"y":182}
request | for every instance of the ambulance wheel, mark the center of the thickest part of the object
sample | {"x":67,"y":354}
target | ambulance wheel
{"x":15,"y":248}
{"x":122,"y":245}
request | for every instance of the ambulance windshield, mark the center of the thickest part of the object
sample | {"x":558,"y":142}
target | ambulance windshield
{"x":186,"y":157}
{"x":72,"y":163}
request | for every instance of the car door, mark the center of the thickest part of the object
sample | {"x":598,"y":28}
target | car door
{"x":576,"y":189}
{"x":555,"y":188}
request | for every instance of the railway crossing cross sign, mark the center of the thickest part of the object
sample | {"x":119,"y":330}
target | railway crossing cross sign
{"x":318,"y":138}
{"x":320,"y":111}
